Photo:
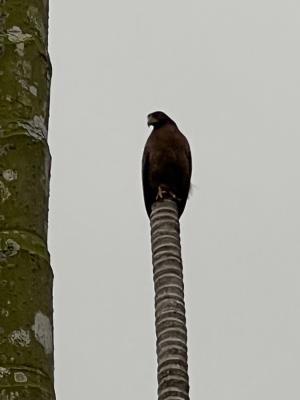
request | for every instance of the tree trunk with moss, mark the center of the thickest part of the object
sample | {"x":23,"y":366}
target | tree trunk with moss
{"x":170,"y":322}
{"x":26,"y":311}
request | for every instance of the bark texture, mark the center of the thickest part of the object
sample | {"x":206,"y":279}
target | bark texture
{"x":170,"y":322}
{"x":26,"y":312}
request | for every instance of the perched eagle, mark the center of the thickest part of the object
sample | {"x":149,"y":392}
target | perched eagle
{"x":167,"y":163}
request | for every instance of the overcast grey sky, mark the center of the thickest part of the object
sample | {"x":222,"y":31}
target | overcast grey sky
{"x":228,"y":73}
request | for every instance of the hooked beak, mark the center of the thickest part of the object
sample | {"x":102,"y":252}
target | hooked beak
{"x":151,"y":120}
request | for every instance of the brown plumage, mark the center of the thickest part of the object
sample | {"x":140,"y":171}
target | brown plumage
{"x":167,"y":163}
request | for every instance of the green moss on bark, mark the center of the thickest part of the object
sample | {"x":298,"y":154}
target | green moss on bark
{"x":26,"y":344}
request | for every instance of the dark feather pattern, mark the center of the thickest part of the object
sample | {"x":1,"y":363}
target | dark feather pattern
{"x":167,"y":163}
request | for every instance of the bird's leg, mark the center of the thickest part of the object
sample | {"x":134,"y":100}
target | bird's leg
{"x":164,"y":193}
{"x":160,"y":193}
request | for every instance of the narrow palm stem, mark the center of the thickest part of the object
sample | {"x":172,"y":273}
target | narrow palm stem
{"x":170,"y":322}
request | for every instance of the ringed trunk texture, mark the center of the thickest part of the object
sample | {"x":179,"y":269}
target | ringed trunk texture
{"x":170,"y":321}
{"x":26,"y":311}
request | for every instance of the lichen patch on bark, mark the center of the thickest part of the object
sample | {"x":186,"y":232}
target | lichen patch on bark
{"x":10,"y":175}
{"x":43,"y":331}
{"x":35,"y":127}
{"x":15,"y":35}
{"x":20,"y":377}
{"x":4,"y":192}
{"x":4,"y":148}
{"x":35,"y":20}
{"x":20,"y":337}
{"x":8,"y":248}
{"x":4,"y":372}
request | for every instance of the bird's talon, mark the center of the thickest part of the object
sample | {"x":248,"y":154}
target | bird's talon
{"x":164,"y":194}
{"x":160,"y":193}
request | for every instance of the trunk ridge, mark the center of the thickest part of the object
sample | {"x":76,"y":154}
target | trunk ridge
{"x":170,"y":321}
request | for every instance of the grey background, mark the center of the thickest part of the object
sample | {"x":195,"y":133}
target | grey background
{"x":228,"y":73}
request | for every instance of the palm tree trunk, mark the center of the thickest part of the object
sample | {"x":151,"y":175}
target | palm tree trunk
{"x":170,"y":322}
{"x":26,"y":311}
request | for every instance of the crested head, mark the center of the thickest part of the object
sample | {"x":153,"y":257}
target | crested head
{"x":158,"y":118}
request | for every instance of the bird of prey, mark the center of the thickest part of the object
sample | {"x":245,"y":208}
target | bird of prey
{"x":166,"y":164}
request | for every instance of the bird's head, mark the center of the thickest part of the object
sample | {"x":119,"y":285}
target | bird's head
{"x":158,"y":118}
